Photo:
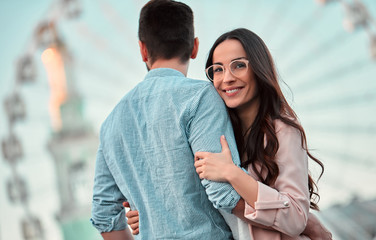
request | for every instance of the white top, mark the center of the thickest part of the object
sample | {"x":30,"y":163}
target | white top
{"x":239,"y":228}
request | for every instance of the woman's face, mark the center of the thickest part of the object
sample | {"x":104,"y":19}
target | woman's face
{"x":237,"y":92}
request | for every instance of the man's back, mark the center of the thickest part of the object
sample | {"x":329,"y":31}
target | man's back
{"x":148,"y":142}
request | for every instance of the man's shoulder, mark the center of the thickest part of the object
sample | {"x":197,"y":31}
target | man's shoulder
{"x":200,"y":85}
{"x":195,"y":83}
{"x":184,"y":87}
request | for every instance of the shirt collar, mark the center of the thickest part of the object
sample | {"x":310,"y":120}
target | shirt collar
{"x":164,"y":72}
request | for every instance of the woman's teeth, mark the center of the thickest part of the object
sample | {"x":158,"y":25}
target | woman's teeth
{"x":232,"y":90}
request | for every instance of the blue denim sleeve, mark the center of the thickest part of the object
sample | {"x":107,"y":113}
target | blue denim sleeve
{"x":107,"y":211}
{"x":209,"y":120}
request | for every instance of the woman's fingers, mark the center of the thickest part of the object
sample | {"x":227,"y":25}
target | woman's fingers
{"x":200,"y":163}
{"x":132,"y":217}
{"x":133,"y":220}
{"x":201,"y":172}
{"x":134,"y":226}
{"x":131,"y":214}
{"x":201,"y":155}
{"x":126,"y":204}
{"x":198,"y":170}
{"x":200,"y":167}
{"x":136,"y":231}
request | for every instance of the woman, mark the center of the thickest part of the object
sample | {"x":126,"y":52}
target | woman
{"x":278,"y":190}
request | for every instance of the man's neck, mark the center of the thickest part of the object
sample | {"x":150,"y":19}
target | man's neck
{"x":174,"y":63}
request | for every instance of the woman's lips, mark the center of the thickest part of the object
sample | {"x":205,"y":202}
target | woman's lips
{"x":232,"y":91}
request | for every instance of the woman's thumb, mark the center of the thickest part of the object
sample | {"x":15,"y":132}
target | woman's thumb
{"x":224,"y":143}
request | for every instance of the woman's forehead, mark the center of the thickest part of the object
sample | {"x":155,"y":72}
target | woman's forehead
{"x":228,"y":51}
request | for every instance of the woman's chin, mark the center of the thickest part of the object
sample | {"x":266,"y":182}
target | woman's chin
{"x":231,"y":105}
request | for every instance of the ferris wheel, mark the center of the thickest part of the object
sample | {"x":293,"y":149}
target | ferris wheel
{"x":325,"y":52}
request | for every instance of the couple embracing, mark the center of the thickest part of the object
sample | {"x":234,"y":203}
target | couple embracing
{"x":219,"y":159}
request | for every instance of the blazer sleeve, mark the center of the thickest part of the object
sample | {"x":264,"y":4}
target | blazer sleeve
{"x":208,"y":121}
{"x":285,"y":207}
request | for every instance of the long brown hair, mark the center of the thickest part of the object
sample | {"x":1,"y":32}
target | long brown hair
{"x":273,"y":106}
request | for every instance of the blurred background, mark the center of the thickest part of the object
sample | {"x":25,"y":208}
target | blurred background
{"x":65,"y":63}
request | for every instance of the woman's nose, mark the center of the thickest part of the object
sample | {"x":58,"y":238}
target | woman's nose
{"x":228,"y":77}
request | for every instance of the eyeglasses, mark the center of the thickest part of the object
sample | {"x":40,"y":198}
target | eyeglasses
{"x":238,"y":68}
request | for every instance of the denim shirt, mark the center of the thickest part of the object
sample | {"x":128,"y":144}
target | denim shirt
{"x":146,"y":156}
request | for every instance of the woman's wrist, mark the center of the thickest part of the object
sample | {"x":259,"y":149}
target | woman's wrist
{"x":231,"y":172}
{"x":245,"y":185}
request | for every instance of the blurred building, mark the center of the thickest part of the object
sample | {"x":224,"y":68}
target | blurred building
{"x":351,"y":221}
{"x":73,"y":146}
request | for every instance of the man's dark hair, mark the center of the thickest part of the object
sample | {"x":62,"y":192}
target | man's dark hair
{"x":166,"y":28}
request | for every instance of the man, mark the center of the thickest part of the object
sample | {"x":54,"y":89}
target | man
{"x":147,"y":143}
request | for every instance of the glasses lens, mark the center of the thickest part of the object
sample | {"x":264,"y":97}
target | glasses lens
{"x":215,"y":72}
{"x":209,"y":73}
{"x":238,"y":67}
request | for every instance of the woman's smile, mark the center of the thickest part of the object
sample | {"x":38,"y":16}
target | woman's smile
{"x":230,"y":92}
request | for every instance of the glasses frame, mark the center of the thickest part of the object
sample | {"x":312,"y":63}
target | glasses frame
{"x":246,"y":61}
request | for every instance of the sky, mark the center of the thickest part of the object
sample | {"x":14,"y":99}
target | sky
{"x":328,"y":72}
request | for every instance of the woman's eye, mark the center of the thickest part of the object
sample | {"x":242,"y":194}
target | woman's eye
{"x":240,"y":65}
{"x":218,"y":69}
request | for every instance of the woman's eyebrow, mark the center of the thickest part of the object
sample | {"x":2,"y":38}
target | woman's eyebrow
{"x":238,"y":58}
{"x":219,"y":63}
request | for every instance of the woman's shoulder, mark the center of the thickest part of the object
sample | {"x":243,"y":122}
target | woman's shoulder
{"x":282,"y":127}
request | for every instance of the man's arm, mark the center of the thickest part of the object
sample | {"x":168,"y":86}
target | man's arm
{"x":209,"y":120}
{"x":107,"y":213}
{"x":315,"y":230}
{"x":118,"y":235}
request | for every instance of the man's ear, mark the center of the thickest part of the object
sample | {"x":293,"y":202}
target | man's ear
{"x":143,"y":51}
{"x":195,"y":48}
